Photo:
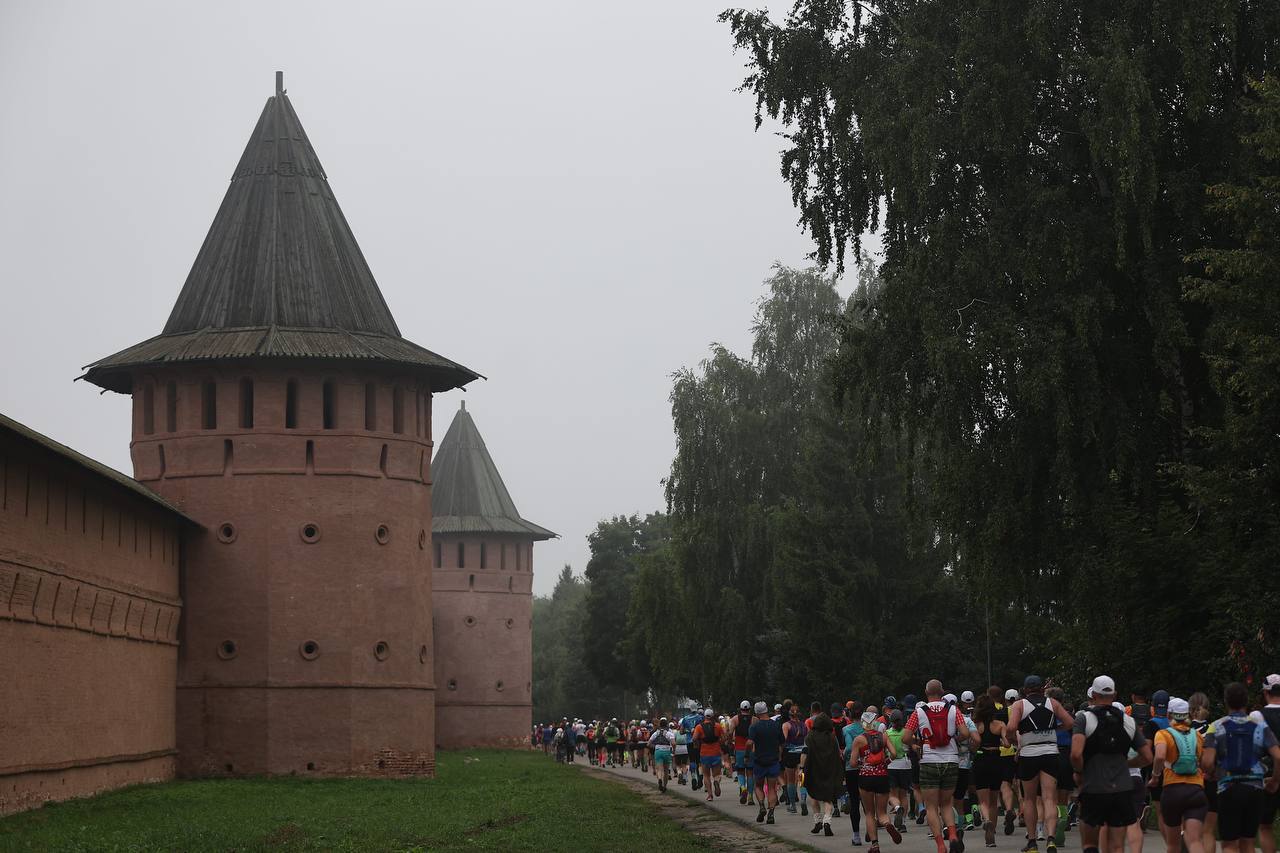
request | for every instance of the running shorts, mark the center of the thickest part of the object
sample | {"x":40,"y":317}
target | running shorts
{"x":1239,"y":812}
{"x":1008,"y":768}
{"x":962,"y":784}
{"x":742,"y":759}
{"x":1270,"y":805}
{"x":662,"y":755}
{"x":1031,"y":766}
{"x":1066,"y":773}
{"x":874,"y":784}
{"x":768,"y":771}
{"x":1183,"y":801}
{"x":915,"y":767}
{"x":1140,"y":793}
{"x":1114,"y":810}
{"x":900,"y":779}
{"x":791,"y":760}
{"x":710,"y":761}
{"x":939,"y":776}
{"x":988,"y":773}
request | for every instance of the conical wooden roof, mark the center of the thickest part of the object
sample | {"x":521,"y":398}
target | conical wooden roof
{"x":280,"y":274}
{"x":467,"y":492}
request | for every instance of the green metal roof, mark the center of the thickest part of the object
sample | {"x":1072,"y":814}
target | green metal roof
{"x":467,"y":492}
{"x":26,"y":433}
{"x":280,"y":274}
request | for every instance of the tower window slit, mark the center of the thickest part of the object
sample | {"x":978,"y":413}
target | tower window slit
{"x":330,"y":412}
{"x":246,"y":404}
{"x":291,"y":404}
{"x":397,"y":410}
{"x":370,"y":407}
{"x":148,"y":409}
{"x":171,"y":406}
{"x":209,"y":405}
{"x":462,"y":555}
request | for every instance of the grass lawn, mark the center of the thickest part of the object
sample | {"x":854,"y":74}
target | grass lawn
{"x":480,"y":800}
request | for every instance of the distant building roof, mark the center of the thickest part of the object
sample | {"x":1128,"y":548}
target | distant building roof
{"x":467,"y":492}
{"x":279,"y":275}
{"x":26,"y":433}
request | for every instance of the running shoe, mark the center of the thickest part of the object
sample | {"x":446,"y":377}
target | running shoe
{"x":1040,"y":832}
{"x":920,"y":816}
{"x":742,"y":797}
{"x":893,"y":833}
{"x":1051,"y":846}
{"x":989,"y":831}
{"x":769,"y":817}
{"x":760,"y":816}
{"x":826,"y":830}
{"x":874,"y":848}
{"x":857,"y":839}
{"x":1008,"y":823}
{"x":817,"y":827}
{"x":804,"y":809}
{"x":717,"y":787}
{"x":1030,"y":846}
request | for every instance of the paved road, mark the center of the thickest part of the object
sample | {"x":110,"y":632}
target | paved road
{"x":796,"y":828}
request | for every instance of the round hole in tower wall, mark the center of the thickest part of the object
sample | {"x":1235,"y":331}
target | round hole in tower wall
{"x":311,"y":765}
{"x":510,"y":623}
{"x":422,"y":654}
{"x":453,"y":684}
{"x":226,"y":532}
{"x":422,"y":540}
{"x":227,"y":649}
{"x":309,"y":649}
{"x":470,"y":621}
{"x":382,"y":534}
{"x":310,"y":532}
{"x":499,"y":686}
{"x":381,"y":650}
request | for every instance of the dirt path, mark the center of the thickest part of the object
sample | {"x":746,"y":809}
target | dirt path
{"x":724,"y":833}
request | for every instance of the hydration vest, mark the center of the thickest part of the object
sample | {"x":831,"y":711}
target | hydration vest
{"x":1037,"y":725}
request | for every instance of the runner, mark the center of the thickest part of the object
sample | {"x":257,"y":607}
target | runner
{"x":688,"y":723}
{"x":645,"y":731}
{"x":1201,"y":722}
{"x":964,"y":780}
{"x":1236,"y":748}
{"x":988,"y":773}
{"x":1008,"y":764}
{"x":740,"y":724}
{"x":793,"y":734}
{"x":1270,"y":714}
{"x":613,"y":739}
{"x":663,"y":741}
{"x":602,"y":744}
{"x":823,"y":771}
{"x":937,"y":726}
{"x":1158,"y":722}
{"x":682,"y":754}
{"x":839,"y":719}
{"x":1032,"y":728}
{"x":872,"y":752}
{"x":848,"y":734}
{"x":1101,"y":739}
{"x":1183,"y":805}
{"x":899,"y":771}
{"x":1066,"y":775}
{"x":708,"y":736}
{"x":764,"y":740}
{"x":579,"y":738}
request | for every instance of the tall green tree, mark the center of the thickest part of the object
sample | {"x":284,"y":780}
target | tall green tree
{"x":1037,"y":171}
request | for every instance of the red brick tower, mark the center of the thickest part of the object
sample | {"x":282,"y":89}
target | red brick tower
{"x":483,"y":596}
{"x":282,"y":409}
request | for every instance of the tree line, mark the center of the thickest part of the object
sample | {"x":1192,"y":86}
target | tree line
{"x":1048,"y":423}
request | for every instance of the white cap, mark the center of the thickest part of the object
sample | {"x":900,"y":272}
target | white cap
{"x":966,"y":696}
{"x":1271,"y":683}
{"x":708,"y":713}
{"x":1010,"y":694}
{"x":744,"y":705}
{"x":950,"y":697}
{"x":778,"y":707}
{"x":762,"y":708}
{"x":1102,"y":686}
{"x":1179,"y":707}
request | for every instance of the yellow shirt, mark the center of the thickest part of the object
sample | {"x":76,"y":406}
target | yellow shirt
{"x":1171,"y":754}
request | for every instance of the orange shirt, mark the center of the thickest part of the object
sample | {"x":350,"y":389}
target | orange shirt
{"x":711,"y":747}
{"x":1171,"y":753}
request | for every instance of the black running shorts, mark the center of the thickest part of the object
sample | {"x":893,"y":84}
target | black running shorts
{"x":1031,"y":766}
{"x":988,"y":772}
{"x":1108,"y":809}
{"x":1239,"y":812}
{"x":1183,"y":801}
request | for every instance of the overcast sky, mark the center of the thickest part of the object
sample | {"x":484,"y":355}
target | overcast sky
{"x":566,"y":196}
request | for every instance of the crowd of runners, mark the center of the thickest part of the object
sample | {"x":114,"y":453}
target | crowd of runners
{"x":995,"y":762}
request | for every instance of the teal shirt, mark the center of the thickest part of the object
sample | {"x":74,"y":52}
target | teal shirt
{"x":850,"y":733}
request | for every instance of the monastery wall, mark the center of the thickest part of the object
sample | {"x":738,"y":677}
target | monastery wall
{"x":89,"y":621}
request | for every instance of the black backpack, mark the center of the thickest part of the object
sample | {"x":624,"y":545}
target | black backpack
{"x":1111,"y":737}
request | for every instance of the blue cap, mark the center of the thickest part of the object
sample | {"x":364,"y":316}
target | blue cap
{"x":1160,"y":702}
{"x":890,"y":702}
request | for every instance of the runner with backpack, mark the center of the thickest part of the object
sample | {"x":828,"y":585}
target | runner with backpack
{"x":707,"y":736}
{"x":850,"y":732}
{"x":870,"y":755}
{"x":1183,"y":805}
{"x":663,"y":741}
{"x":936,"y":726}
{"x":1102,"y":736}
{"x":1271,"y":795}
{"x":1236,"y":749}
{"x":1033,"y":724}
{"x":793,"y":734}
